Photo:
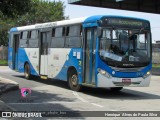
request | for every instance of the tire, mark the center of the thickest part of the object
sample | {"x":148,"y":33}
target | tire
{"x":73,"y":81}
{"x":27,"y":72}
{"x":116,"y":89}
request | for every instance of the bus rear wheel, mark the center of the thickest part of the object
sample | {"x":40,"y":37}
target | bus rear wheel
{"x":73,"y":81}
{"x":27,"y":71}
{"x":116,"y":89}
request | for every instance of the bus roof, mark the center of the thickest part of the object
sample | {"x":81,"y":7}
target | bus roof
{"x":49,"y":24}
{"x":84,"y":20}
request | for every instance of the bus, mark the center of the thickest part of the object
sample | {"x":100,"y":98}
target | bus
{"x":98,"y":51}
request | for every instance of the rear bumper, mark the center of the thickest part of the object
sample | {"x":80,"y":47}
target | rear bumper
{"x":104,"y":82}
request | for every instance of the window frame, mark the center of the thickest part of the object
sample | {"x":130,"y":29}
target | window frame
{"x":33,"y":39}
{"x":21,"y":39}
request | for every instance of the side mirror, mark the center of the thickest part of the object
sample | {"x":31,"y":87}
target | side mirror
{"x":99,"y":31}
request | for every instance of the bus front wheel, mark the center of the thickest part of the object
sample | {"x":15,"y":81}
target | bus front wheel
{"x":73,"y":81}
{"x":27,"y":71}
{"x":116,"y":89}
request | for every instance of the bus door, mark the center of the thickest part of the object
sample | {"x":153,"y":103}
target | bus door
{"x":89,"y":56}
{"x":15,"y":51}
{"x":45,"y":37}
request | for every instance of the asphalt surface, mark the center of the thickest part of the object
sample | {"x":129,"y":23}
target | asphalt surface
{"x":51,"y":95}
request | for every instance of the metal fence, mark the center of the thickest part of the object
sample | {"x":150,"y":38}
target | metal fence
{"x":3,"y":53}
{"x":156,"y":55}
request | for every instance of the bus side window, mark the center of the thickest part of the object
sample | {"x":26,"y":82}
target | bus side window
{"x":74,"y":40}
{"x":63,"y":31}
{"x":33,"y":39}
{"x":58,"y":40}
{"x":53,"y":32}
{"x":67,"y":31}
{"x":23,"y":39}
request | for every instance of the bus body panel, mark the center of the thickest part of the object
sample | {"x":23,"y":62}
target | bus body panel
{"x":125,"y":74}
{"x":57,"y":63}
{"x":104,"y":82}
{"x":10,"y":58}
{"x":30,"y":56}
{"x":33,"y":57}
{"x":61,"y":59}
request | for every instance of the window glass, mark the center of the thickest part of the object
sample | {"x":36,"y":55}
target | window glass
{"x":63,"y":31}
{"x":23,"y":43}
{"x":141,"y":41}
{"x":73,"y":42}
{"x":53,"y":32}
{"x":58,"y":32}
{"x":75,"y":30}
{"x":67,"y":31}
{"x":125,"y":46}
{"x":33,"y":43}
{"x":21,"y":35}
{"x":34,"y":34}
{"x":57,"y":42}
{"x":106,"y":34}
{"x":24,"y":36}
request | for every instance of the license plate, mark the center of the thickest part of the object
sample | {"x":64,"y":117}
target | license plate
{"x":126,"y":81}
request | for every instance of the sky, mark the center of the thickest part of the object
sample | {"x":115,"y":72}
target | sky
{"x":76,"y":11}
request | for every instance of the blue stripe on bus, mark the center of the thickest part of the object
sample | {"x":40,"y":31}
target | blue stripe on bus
{"x":10,"y":55}
{"x":13,"y":30}
{"x":22,"y":58}
{"x":103,"y":66}
{"x":72,"y":61}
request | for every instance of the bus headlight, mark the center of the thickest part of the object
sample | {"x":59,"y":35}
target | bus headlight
{"x":103,"y":72}
{"x":146,"y":75}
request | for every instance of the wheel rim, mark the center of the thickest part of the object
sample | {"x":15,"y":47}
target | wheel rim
{"x":74,"y":80}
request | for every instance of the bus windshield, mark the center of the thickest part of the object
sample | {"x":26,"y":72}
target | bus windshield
{"x":125,"y":47}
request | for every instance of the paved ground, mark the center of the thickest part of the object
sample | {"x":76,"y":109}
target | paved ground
{"x":55,"y":95}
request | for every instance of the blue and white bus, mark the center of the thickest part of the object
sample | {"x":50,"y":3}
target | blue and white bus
{"x":98,"y":51}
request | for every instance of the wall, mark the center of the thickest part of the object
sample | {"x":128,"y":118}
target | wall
{"x":3,"y":53}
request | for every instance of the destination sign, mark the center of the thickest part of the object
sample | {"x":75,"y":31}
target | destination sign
{"x":125,"y":22}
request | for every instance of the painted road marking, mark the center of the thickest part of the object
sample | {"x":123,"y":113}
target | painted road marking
{"x":97,"y":105}
{"x":83,"y":100}
{"x":80,"y":98}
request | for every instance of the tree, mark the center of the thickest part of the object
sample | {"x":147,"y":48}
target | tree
{"x":25,"y":12}
{"x":5,"y":24}
{"x":43,"y":11}
{"x":13,"y":8}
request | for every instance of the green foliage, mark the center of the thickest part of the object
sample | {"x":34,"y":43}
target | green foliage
{"x":43,"y":11}
{"x":156,"y":65}
{"x":3,"y":62}
{"x":5,"y":24}
{"x":26,"y":12}
{"x":12,"y":8}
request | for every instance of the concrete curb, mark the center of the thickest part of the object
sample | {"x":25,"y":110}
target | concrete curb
{"x":7,"y":85}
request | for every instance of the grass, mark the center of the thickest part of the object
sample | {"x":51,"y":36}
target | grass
{"x":3,"y":62}
{"x":156,"y":65}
